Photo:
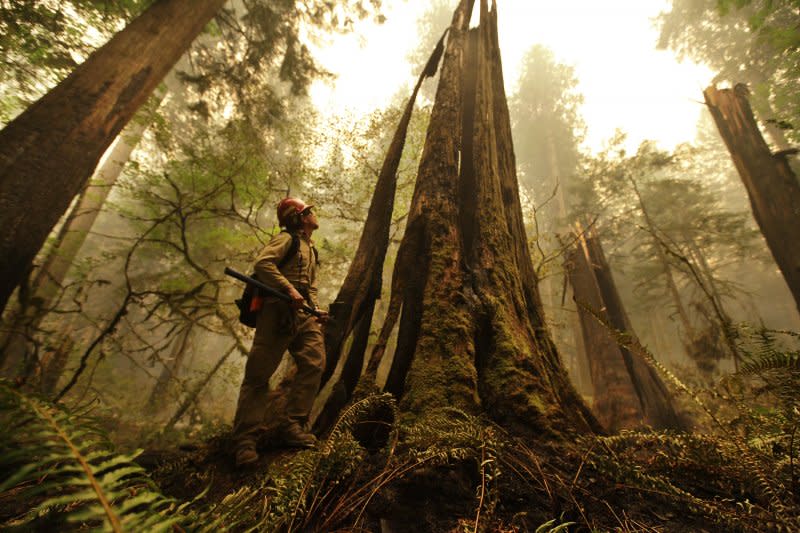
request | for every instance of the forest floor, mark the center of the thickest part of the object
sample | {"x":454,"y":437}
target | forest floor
{"x":520,"y":489}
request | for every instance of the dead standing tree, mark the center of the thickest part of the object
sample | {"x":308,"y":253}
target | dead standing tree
{"x":471,"y":330}
{"x":771,"y":184}
{"x":628,"y":393}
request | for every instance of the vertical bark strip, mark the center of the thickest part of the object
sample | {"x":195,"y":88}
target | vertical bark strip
{"x":363,"y":283}
{"x":522,"y":381}
{"x":49,"y":151}
{"x":433,"y":364}
{"x":771,"y":184}
{"x":353,"y":308}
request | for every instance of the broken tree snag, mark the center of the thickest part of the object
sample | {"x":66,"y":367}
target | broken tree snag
{"x":354,"y":306}
{"x":433,"y":365}
{"x":654,"y":398}
{"x":628,"y":392}
{"x":771,"y":185}
{"x":471,"y":334}
{"x":616,"y":403}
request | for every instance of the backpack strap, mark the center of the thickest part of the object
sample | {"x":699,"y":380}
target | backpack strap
{"x":292,"y":251}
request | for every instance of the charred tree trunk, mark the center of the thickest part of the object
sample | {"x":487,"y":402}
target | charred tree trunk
{"x":472,"y":332}
{"x":771,"y":184}
{"x":628,"y":391}
{"x":353,"y":308}
{"x":49,"y":152}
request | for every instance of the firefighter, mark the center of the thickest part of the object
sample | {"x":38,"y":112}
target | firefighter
{"x":288,"y":263}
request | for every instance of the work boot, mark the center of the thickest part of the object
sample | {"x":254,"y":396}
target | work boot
{"x":246,"y":455}
{"x":294,"y":436}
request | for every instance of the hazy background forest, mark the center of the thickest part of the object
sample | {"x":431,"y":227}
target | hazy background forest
{"x":126,"y":310}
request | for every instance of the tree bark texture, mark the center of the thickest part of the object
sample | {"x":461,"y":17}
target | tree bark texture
{"x":628,"y":391}
{"x":49,"y":152}
{"x":771,"y":184}
{"x":352,"y":311}
{"x":471,"y":328}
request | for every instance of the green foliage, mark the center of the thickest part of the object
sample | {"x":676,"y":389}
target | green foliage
{"x":42,"y":41}
{"x":62,"y":470}
{"x":675,"y":234}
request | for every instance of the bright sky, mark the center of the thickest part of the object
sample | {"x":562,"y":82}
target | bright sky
{"x":626,"y":82}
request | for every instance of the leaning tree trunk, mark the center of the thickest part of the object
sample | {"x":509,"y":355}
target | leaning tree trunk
{"x":49,"y":151}
{"x":771,"y":185}
{"x":48,"y":281}
{"x":471,"y":332}
{"x":615,"y":404}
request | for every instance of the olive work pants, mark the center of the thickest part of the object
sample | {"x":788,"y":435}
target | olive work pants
{"x":274,"y":335}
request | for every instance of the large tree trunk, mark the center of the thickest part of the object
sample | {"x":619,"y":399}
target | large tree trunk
{"x":352,"y":311}
{"x":48,"y":280}
{"x":472,"y":332}
{"x":49,"y":152}
{"x":628,"y":391}
{"x":771,"y":185}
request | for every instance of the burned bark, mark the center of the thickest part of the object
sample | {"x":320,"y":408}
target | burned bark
{"x":771,"y":184}
{"x":628,"y":391}
{"x":472,"y":332}
{"x":353,"y":308}
{"x":49,"y":151}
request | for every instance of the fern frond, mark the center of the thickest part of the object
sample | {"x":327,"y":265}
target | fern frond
{"x":788,"y":361}
{"x":60,"y":466}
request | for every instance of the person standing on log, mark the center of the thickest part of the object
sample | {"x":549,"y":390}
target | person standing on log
{"x":288,"y":263}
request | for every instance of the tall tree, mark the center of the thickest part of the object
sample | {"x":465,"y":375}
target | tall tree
{"x":547,"y":130}
{"x":49,"y":152}
{"x":471,"y":329}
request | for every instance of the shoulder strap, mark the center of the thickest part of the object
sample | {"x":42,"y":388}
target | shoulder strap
{"x":292,"y":251}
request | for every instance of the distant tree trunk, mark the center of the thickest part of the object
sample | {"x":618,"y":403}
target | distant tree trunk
{"x":773,"y":188}
{"x":49,"y":277}
{"x":49,"y":151}
{"x":628,"y":391}
{"x":616,"y":404}
{"x":170,"y":370}
{"x":472,"y":333}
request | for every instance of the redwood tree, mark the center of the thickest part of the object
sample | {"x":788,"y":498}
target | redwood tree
{"x":471,"y":330}
{"x":628,"y":393}
{"x":48,"y":153}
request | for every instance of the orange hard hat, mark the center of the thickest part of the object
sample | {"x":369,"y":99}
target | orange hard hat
{"x":288,"y":207}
